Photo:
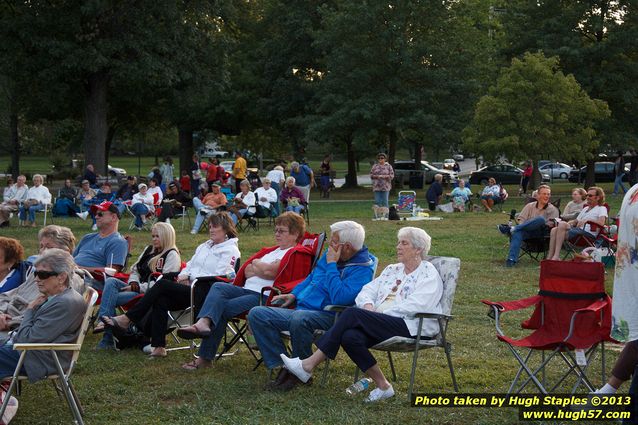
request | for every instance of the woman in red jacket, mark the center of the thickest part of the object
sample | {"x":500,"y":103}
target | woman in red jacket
{"x":282,"y":266}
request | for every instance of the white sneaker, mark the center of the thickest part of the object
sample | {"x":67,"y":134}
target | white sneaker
{"x":193,"y":232}
{"x":83,"y":215}
{"x":294,"y":367}
{"x":94,"y":227}
{"x":378,"y":394}
{"x":168,"y":220}
{"x":147,"y":349}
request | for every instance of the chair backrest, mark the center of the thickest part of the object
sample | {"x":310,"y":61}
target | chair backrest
{"x":90,"y":298}
{"x":406,"y":201}
{"x":448,"y":268}
{"x":321,"y":240}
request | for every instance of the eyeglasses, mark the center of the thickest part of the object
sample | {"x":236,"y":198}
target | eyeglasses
{"x":281,"y":231}
{"x":591,"y":195}
{"x":43,"y":274}
{"x":100,"y":214}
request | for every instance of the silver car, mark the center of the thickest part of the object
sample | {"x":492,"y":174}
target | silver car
{"x":406,"y":169}
{"x":557,"y":170}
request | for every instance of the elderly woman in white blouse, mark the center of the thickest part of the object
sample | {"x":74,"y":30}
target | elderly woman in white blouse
{"x":384,"y":309}
{"x":37,"y":197}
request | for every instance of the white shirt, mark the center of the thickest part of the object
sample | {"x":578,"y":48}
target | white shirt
{"x":270,"y":195}
{"x":147,"y":200}
{"x":15,"y":193}
{"x":248,"y":199}
{"x":276,"y":176}
{"x":591,"y":214}
{"x":255,"y":283}
{"x":212,"y":259}
{"x":40,"y":194}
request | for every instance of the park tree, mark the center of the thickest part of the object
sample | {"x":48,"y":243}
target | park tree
{"x":535,"y":110}
{"x":100,"y":51}
{"x":597,"y":42}
{"x":396,"y":72}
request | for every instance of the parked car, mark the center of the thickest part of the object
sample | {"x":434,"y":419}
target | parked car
{"x":556,"y":170}
{"x":503,"y":173}
{"x":458,"y":157}
{"x":603,"y":172}
{"x":448,"y":164}
{"x":543,"y":162}
{"x":117,"y":172}
{"x":407,"y":172}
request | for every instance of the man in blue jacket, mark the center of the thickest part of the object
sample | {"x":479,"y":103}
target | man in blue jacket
{"x":336,"y":279}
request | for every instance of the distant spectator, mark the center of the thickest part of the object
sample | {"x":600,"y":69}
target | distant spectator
{"x":527,"y":174}
{"x":185,"y":182}
{"x":167,"y":172}
{"x":291,"y":197}
{"x":7,"y":188}
{"x":86,"y":192}
{"x":104,"y":194}
{"x":195,"y":175}
{"x":143,"y":204}
{"x":240,"y":168}
{"x":89,"y":174}
{"x":633,"y":167}
{"x":208,"y":206}
{"x":211,"y":171}
{"x":460,"y":196}
{"x":277,"y":182}
{"x":304,"y":178}
{"x":619,"y":171}
{"x":244,"y":202}
{"x":16,"y":194}
{"x":381,"y":175}
{"x":38,"y":196}
{"x":155,"y":191}
{"x":155,"y":174}
{"x":491,"y":194}
{"x":433,"y":195}
{"x":173,"y":202}
{"x":65,"y":204}
{"x":576,"y":205}
{"x":126,"y":191}
{"x":266,"y":197}
{"x":326,"y":169}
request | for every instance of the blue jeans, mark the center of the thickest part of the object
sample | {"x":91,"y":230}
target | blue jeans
{"x":275,"y":205}
{"x":381,"y":198}
{"x":9,"y":360}
{"x":618,"y":184}
{"x":139,"y":210}
{"x":532,"y":228}
{"x":223,"y":302}
{"x":199,"y":218}
{"x":65,"y":206}
{"x":112,"y":298}
{"x":296,"y":210}
{"x":267,"y":322}
{"x":31,"y":210}
{"x":241,"y":212}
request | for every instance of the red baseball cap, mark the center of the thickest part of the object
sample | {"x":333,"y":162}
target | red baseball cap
{"x":106,"y":206}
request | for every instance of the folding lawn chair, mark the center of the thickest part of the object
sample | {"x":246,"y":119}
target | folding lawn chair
{"x":598,"y":237}
{"x":62,"y":376}
{"x":406,"y":202}
{"x":572,"y":316}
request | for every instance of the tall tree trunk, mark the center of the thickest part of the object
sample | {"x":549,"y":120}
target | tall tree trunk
{"x":590,"y":177}
{"x":110,"y":136}
{"x":14,"y":142}
{"x":392,"y":148}
{"x":351,"y":176}
{"x":418,"y":155}
{"x":185,"y":137}
{"x":95,"y":121}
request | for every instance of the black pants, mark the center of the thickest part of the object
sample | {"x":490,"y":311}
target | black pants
{"x":167,"y":212}
{"x":356,"y":330}
{"x":164,"y":296}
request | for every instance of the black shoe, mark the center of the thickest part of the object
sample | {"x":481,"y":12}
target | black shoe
{"x":281,"y":377}
{"x":504,"y":229}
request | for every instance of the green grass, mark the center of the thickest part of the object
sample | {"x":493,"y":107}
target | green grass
{"x":127,"y":388}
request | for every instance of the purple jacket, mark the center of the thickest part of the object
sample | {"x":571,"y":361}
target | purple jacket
{"x":291,"y":193}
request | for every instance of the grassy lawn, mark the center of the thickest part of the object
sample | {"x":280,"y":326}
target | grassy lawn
{"x":126,"y":387}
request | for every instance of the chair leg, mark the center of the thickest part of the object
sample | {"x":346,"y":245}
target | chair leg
{"x":394,"y":373}
{"x":67,"y":391}
{"x":12,"y":385}
{"x":324,"y":377}
{"x":448,"y":355}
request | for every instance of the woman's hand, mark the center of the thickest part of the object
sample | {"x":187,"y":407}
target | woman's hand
{"x":288,"y":299}
{"x":184,"y":281}
{"x":4,"y":322}
{"x":37,"y":302}
{"x":368,"y":306}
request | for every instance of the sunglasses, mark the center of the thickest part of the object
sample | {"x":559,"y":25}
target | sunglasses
{"x":43,"y":274}
{"x":591,"y":195}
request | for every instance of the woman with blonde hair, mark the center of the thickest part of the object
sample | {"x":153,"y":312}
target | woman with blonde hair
{"x":161,"y":256}
{"x":576,"y":205}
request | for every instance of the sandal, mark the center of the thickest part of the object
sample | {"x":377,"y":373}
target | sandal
{"x":196,"y":364}
{"x":99,"y":328}
{"x":112,"y":322}
{"x":193,"y":332}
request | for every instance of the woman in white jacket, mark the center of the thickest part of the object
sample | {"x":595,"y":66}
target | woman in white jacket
{"x":38,"y":196}
{"x":142,"y":204}
{"x":161,"y":256}
{"x":215,"y":257}
{"x":385,"y":308}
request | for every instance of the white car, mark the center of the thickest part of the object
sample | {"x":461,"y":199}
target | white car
{"x":556,"y":170}
{"x":117,"y":172}
{"x":458,"y":157}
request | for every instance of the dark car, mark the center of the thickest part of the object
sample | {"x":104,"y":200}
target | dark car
{"x":503,"y":173}
{"x":407,"y":172}
{"x":603,"y":172}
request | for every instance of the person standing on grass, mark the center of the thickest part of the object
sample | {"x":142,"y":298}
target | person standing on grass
{"x":619,"y":171}
{"x":240,"y":168}
{"x":304,"y":178}
{"x":434,"y":193}
{"x":527,"y":175}
{"x":381,"y":175}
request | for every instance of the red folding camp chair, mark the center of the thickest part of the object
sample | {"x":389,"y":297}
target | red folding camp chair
{"x":572,"y":312}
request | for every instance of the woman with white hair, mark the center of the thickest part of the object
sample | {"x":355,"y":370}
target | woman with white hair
{"x":38,"y":196}
{"x":384,"y":309}
{"x":291,"y":197}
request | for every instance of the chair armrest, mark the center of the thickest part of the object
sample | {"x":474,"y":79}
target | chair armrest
{"x":335,"y":307}
{"x":503,"y":306}
{"x":26,"y":346}
{"x":432,"y":316}
{"x":594,"y":307}
{"x":209,"y":279}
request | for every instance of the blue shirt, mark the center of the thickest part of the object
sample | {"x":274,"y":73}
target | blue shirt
{"x":94,"y":251}
{"x":335,"y":283}
{"x":302,"y":177}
